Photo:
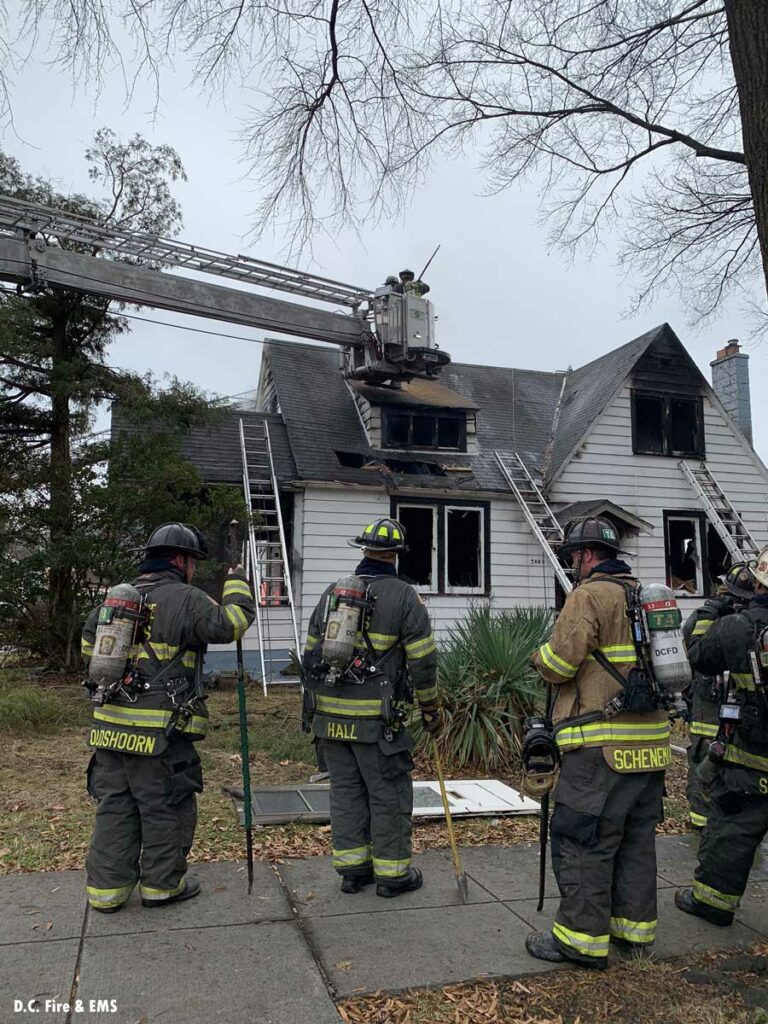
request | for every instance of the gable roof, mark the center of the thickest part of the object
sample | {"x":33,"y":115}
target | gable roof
{"x":516,"y":408}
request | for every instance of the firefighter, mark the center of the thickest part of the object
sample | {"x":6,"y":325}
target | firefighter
{"x":737,"y":765}
{"x":146,"y":805}
{"x":704,"y":696}
{"x":358,"y":717}
{"x":608,"y":798}
{"x":410,"y":286}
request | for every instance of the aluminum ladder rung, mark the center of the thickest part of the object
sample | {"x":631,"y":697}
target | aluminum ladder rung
{"x":726,"y":521}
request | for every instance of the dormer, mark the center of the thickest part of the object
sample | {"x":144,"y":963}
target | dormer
{"x":419,"y":416}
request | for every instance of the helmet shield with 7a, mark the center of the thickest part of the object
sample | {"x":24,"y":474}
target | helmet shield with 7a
{"x":177,"y":537}
{"x":591,"y":532}
{"x":381,"y":535}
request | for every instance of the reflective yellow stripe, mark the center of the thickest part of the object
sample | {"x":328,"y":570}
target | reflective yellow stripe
{"x":428,"y":695}
{"x":145,"y":718}
{"x":735,"y":755}
{"x":147,"y":893}
{"x":348,"y":707}
{"x":699,"y":820}
{"x":555,"y":663}
{"x":358,"y":857}
{"x":713,"y":898}
{"x":86,"y":648}
{"x":163,"y":652}
{"x":633,"y":931}
{"x":599,"y":733}
{"x":701,"y":627}
{"x":390,"y":868}
{"x":703,"y":729}
{"x":382,"y":641}
{"x":237,"y":617}
{"x":189,"y":660}
{"x":420,"y":648}
{"x":237,"y":587}
{"x":617,"y":654}
{"x":587,"y":945}
{"x":109,"y":897}
{"x":743,"y":680}
{"x":312,"y":642}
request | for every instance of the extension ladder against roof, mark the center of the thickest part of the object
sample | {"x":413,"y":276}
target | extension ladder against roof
{"x":268,"y":562}
{"x":541,"y":519}
{"x":720,"y":512}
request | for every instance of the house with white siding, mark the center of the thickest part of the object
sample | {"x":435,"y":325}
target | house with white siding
{"x":611,"y":437}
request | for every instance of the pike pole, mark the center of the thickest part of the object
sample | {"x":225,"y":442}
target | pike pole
{"x":244,"y":746}
{"x":461,"y":878}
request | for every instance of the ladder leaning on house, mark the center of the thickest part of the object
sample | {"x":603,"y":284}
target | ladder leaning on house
{"x":268,"y":562}
{"x":720,"y":512}
{"x":541,"y":519}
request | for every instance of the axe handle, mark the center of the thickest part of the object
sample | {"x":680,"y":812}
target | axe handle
{"x":447,"y":809}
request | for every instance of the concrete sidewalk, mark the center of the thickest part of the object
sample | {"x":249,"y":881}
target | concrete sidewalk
{"x":283,"y":955}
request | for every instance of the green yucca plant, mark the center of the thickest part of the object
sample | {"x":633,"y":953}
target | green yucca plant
{"x":487,"y":684}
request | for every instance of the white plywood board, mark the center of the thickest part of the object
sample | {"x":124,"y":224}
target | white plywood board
{"x":466,"y":797}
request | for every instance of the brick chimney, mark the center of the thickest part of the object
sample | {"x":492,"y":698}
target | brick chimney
{"x":730,"y":381}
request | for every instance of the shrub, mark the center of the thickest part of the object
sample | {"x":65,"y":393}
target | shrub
{"x":488,"y":686}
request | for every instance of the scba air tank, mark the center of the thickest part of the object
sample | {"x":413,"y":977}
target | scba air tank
{"x":663,"y":625}
{"x":115,"y":631}
{"x":346,"y":607}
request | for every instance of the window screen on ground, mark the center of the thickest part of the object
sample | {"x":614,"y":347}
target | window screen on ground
{"x":417,"y":565}
{"x":464,"y":547}
{"x":683,"y":554}
{"x":649,"y":424}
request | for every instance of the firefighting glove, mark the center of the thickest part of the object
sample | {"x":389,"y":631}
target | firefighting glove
{"x":432,"y":720}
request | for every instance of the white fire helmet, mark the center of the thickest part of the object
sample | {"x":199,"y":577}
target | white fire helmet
{"x":761,"y":569}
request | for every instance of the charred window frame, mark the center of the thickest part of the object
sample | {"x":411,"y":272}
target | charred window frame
{"x":667,"y":424}
{"x":457,"y":536}
{"x":692,"y":568}
{"x":444,"y":430}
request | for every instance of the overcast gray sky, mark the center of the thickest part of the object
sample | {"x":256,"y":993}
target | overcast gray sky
{"x":502,"y":298}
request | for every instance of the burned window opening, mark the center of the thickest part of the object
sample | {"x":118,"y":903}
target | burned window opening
{"x":354,"y":460}
{"x":424,"y":430}
{"x":695,"y":555}
{"x":464,"y":548}
{"x":418,"y":565}
{"x":665,"y":424}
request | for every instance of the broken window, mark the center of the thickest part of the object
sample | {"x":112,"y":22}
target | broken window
{"x":464,"y":549}
{"x":418,"y":565}
{"x":683,"y":554}
{"x":667,"y":425}
{"x":424,"y":430}
{"x":447,"y":546}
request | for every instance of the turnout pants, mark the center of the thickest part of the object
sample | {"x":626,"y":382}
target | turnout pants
{"x":145,"y":823}
{"x":371,"y":806}
{"x":737,"y":824}
{"x":604,"y":854}
{"x":705,"y":719}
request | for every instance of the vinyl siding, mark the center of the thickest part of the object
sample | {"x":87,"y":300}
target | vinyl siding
{"x":605,"y":467}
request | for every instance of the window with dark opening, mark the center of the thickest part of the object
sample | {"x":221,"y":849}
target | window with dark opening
{"x":448,"y":546}
{"x":424,"y":430}
{"x":718,"y":559}
{"x":418,"y":565}
{"x":464,"y":548}
{"x":667,"y":425}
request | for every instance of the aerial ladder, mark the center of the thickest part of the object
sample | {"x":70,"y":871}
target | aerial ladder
{"x":386,"y":337}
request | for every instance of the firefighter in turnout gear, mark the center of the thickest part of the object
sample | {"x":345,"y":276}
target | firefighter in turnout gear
{"x":704,"y":696}
{"x":145,"y":771}
{"x":736,"y":768}
{"x":356,"y":703}
{"x":608,"y":798}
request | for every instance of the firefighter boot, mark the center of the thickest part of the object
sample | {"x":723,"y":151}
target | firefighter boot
{"x":410,"y":882}
{"x":354,"y":883}
{"x":190,"y":888}
{"x":687,"y":902}
{"x":544,"y":946}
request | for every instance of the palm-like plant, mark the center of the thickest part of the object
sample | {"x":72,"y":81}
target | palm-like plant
{"x":487,"y":684}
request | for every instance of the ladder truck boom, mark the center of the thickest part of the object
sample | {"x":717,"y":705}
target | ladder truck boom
{"x":386,"y":336}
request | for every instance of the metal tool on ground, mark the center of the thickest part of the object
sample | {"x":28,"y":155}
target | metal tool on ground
{"x":242,"y":709}
{"x":461,"y":878}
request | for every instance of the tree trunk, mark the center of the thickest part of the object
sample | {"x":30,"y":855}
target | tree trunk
{"x":748,"y":34}
{"x":60,"y":586}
